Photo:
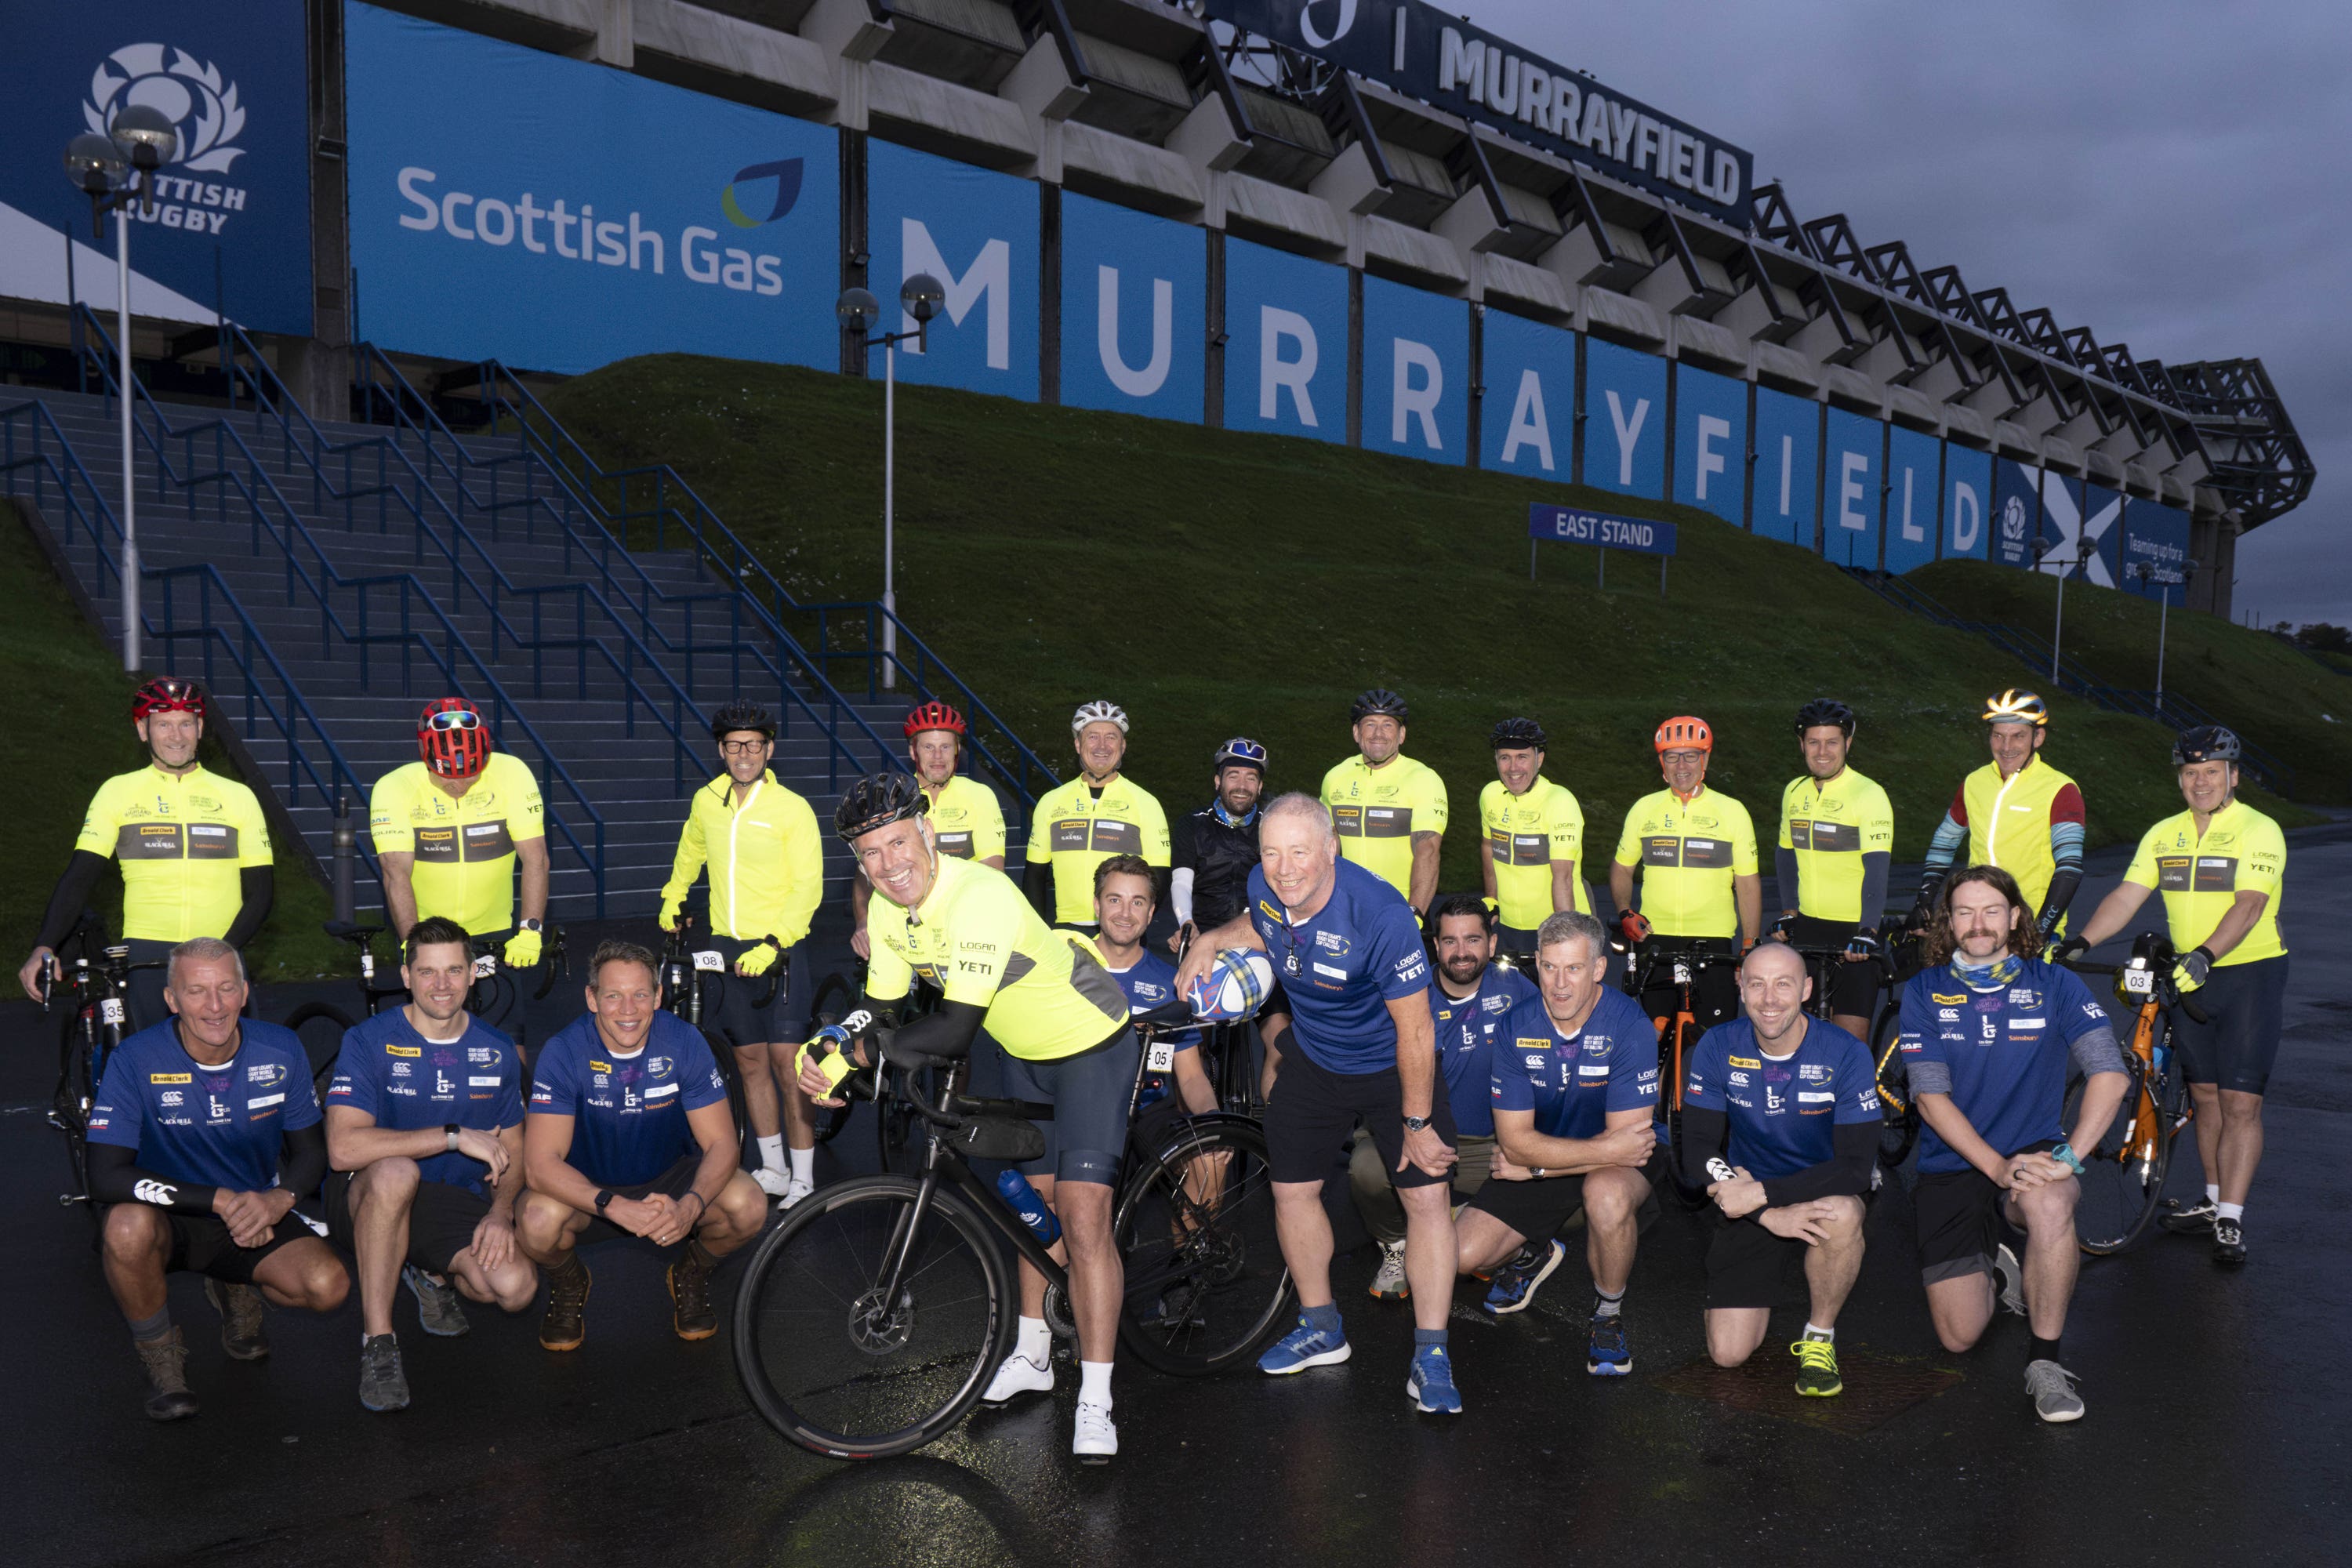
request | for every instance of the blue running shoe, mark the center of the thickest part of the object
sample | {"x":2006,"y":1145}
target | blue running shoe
{"x":1515,"y":1282}
{"x":1431,"y":1384}
{"x":1608,"y":1355}
{"x":1303,"y":1347}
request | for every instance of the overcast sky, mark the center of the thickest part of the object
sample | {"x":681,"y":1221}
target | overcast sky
{"x":2176,"y":177}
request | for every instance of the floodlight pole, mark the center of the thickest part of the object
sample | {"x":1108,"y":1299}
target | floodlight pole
{"x":890,"y":514}
{"x":2163,"y":614}
{"x":130,"y":483}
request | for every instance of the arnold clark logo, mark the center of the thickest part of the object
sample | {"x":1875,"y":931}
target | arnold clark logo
{"x":202,"y":105}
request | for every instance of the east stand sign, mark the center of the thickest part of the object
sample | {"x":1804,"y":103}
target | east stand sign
{"x":1605,"y":531}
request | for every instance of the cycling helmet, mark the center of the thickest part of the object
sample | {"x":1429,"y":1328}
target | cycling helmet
{"x":934,"y":716}
{"x":1684,"y":734}
{"x":168,"y":694}
{"x":743,"y":716}
{"x":2016,"y":706}
{"x":2205,"y":744}
{"x":1823,"y":711}
{"x":1379,"y":701}
{"x":452,"y":737}
{"x":879,"y":800}
{"x":1513,"y":735}
{"x":1240,"y":751}
{"x":1099,"y":713}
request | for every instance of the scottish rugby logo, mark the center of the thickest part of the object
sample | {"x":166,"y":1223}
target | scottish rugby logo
{"x":2012,"y":521}
{"x":191,"y":94}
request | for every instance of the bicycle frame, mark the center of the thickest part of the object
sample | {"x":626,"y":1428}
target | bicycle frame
{"x":2147,"y":973}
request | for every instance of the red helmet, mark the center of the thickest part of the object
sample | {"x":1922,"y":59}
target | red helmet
{"x":168,"y":694}
{"x":934,"y":716}
{"x":452,"y":737}
{"x":1684,"y":733}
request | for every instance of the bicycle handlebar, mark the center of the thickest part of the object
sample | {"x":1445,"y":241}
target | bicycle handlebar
{"x":2165,"y":995}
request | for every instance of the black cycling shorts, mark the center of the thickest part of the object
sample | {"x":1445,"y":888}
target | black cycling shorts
{"x":730,"y":1001}
{"x":1959,"y":1219}
{"x":143,"y":1000}
{"x":2245,"y":1011}
{"x":1535,"y":1208}
{"x":673,"y":1183}
{"x":1089,"y":1093}
{"x":201,"y":1244}
{"x":1853,"y":987}
{"x":1748,"y":1266}
{"x":441,"y":1220}
{"x":1314,"y":1113}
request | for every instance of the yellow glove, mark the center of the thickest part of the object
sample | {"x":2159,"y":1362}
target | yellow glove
{"x":757,"y":961}
{"x":1494,"y":906}
{"x":835,"y":1065}
{"x":521,"y":950}
{"x":672,"y":906}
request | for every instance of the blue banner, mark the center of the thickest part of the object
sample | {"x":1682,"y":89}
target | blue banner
{"x":1911,"y":475}
{"x":1416,"y":373}
{"x":976,"y":231}
{"x":1851,"y":504}
{"x":2103,"y":525}
{"x":1788,"y":455}
{"x":1710,"y":442}
{"x":2062,"y":544}
{"x":2155,"y":555}
{"x":1135,"y":313}
{"x":230,"y":228}
{"x":1287,"y":344}
{"x":2016,"y":514}
{"x":1624,"y":420}
{"x":1968,"y":503}
{"x":1573,"y":525}
{"x":1528,"y":425}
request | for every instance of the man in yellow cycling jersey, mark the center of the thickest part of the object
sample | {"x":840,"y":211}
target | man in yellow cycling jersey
{"x":1701,"y":894}
{"x":1062,"y":1021}
{"x":2017,"y":812}
{"x":449,"y":830}
{"x":1534,"y":841}
{"x":1837,"y":834}
{"x":194,"y":848}
{"x":1390,"y":809}
{"x":1082,"y":823}
{"x":2220,"y":866}
{"x":766,"y":862}
{"x":964,"y":812}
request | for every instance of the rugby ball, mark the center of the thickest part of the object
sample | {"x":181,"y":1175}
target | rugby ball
{"x":1236,"y":986}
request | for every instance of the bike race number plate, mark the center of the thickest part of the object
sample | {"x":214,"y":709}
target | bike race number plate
{"x":1162,"y":1057}
{"x":711,"y":961}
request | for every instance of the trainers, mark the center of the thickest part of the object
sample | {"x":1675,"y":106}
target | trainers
{"x":1095,"y":1439}
{"x":1303,"y":1347}
{"x":1017,"y":1376}
{"x":565,"y":1324}
{"x":240,"y":1307}
{"x":436,"y":1303}
{"x":2188,"y":1219}
{"x":1515,"y":1283}
{"x":2228,"y":1242}
{"x":166,"y":1360}
{"x":691,"y":1314}
{"x":1429,"y":1385}
{"x":1388,"y":1284}
{"x":2052,"y":1387}
{"x":383,"y":1384}
{"x":2009,"y":1275}
{"x":1608,"y":1355}
{"x":1817,"y":1368}
{"x":795,"y":1191}
{"x":775,"y":1184}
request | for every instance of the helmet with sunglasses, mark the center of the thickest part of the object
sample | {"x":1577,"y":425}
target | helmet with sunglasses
{"x":167,"y":694}
{"x":1239,"y":752}
{"x":452,"y":737}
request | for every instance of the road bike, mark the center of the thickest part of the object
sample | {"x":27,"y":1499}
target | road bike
{"x":694,"y":982}
{"x":323,"y":1025}
{"x":94,"y":1025}
{"x":2123,"y":1173}
{"x":1647,"y":966}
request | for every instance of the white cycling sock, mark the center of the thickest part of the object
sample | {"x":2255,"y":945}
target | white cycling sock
{"x":803,"y":1165}
{"x":1094,"y":1383}
{"x":1034,"y":1340}
{"x":1815,"y":1332}
{"x":772,"y":1153}
{"x":2212,"y":1192}
{"x":2230,"y":1211}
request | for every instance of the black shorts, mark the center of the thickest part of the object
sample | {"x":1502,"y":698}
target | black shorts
{"x":1536,"y":1209}
{"x":674,"y":1183}
{"x":143,"y":994}
{"x":441,"y":1220}
{"x":1959,"y":1218}
{"x":2245,"y":1011}
{"x":1314,"y":1111}
{"x":730,"y":1004}
{"x":1714,"y":989}
{"x":201,"y":1244}
{"x":1853,"y":987}
{"x":1089,"y":1093}
{"x":1748,"y":1266}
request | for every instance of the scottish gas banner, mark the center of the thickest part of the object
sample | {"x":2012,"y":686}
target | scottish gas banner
{"x":556,"y":215}
{"x":230,"y":225}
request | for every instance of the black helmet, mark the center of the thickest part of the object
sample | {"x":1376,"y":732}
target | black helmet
{"x":743,"y":716}
{"x":2205,"y":744}
{"x":1378,"y":699}
{"x":879,"y":800}
{"x":1512,"y":734}
{"x":1824,"y":710}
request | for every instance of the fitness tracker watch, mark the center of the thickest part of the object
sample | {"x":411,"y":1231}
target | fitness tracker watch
{"x":451,"y":1130}
{"x":603,"y":1199}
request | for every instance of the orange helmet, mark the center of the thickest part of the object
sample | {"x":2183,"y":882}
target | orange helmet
{"x":1684,"y":732}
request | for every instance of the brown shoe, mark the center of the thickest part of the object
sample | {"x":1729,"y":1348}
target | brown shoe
{"x":691,"y":1314}
{"x":566,"y":1323}
{"x":240,"y":1307}
{"x":166,"y":1360}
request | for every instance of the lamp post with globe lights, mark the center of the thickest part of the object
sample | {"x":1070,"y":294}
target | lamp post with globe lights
{"x":921,"y":297}
{"x":116,"y":171}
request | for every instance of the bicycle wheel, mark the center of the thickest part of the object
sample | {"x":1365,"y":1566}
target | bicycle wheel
{"x":831,"y":1360}
{"x":1898,"y":1113}
{"x":2123,"y":1175}
{"x":1206,"y":1285}
{"x":322,"y":1027}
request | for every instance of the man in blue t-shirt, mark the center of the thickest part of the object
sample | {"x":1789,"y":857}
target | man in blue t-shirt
{"x":1574,"y":1092}
{"x":1359,"y":1050}
{"x":1473,"y":995}
{"x":203,"y":1134}
{"x":1781,"y":1125}
{"x":424,"y":1136}
{"x":629,"y":1133}
{"x":1987,"y":1030}
{"x":1124,"y":902}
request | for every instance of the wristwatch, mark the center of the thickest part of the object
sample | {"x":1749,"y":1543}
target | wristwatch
{"x":451,"y":1130}
{"x":603,"y":1199}
{"x":531,"y":925}
{"x":1416,"y":1123}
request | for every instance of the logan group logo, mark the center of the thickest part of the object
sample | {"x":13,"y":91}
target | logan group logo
{"x":202,"y":107}
{"x":786,"y":172}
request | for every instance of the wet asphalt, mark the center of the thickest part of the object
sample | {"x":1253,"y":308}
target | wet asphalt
{"x":2220,"y":1425}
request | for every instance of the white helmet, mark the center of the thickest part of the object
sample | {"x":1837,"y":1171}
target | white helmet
{"x":1099,"y":713}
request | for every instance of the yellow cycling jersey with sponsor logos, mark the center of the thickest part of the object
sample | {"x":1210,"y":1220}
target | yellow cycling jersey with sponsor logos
{"x":1526,"y":835}
{"x":1074,"y":830}
{"x":1689,"y":851}
{"x":1377,"y":811}
{"x":182,"y":839}
{"x":976,"y":938}
{"x":1830,"y":824}
{"x":463,"y":846}
{"x":2201,"y":875}
{"x":967,"y":821}
{"x":765,"y":855}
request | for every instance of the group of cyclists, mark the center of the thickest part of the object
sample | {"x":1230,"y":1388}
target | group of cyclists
{"x":1463,"y":1055}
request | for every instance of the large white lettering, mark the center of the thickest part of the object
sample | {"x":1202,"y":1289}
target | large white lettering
{"x":1854,"y":469}
{"x":1275,"y":372}
{"x":1629,"y":433}
{"x":1409,"y":398}
{"x":1968,"y":517}
{"x":1154,"y":375}
{"x":1710,"y":461}
{"x":1529,"y":427}
{"x":1911,"y":530}
{"x":990,"y":274}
